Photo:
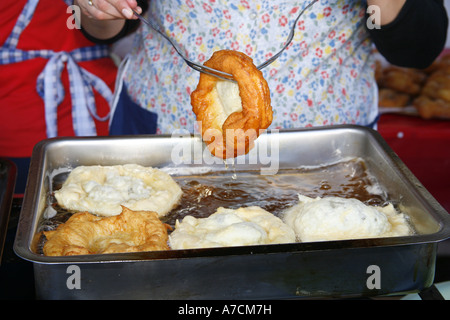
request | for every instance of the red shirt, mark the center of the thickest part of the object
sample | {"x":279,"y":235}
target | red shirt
{"x":22,"y":122}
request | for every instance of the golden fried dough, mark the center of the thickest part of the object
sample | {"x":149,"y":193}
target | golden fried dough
{"x":437,"y":86}
{"x":389,"y":98}
{"x":232,"y":116}
{"x":428,"y":90}
{"x":429,"y":108}
{"x":404,"y":80}
{"x":434,"y":99}
{"x":85,"y":233}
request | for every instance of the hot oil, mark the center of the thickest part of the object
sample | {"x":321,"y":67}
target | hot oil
{"x":230,"y":188}
{"x":203,"y":194}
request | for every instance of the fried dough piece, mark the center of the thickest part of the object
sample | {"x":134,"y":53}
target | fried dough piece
{"x":102,"y":190}
{"x":85,"y":233}
{"x":437,"y":86}
{"x":434,"y":100}
{"x":440,"y":64}
{"x":389,"y":98}
{"x":404,"y":80}
{"x":232,"y":116}
{"x":335,"y":218}
{"x":432,"y":108}
{"x":231,"y":227}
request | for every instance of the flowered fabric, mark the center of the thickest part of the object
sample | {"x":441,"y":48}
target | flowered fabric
{"x":325,"y":76}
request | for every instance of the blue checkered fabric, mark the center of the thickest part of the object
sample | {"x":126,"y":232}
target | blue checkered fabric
{"x":49,"y":86}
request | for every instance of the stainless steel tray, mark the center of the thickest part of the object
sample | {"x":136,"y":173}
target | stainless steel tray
{"x":347,"y":268}
{"x":8,"y":174}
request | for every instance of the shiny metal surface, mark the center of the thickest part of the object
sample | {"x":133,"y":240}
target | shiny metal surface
{"x":321,"y":269}
{"x":7,"y":183}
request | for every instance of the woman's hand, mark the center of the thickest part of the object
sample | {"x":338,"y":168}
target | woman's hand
{"x":108,"y":9}
{"x":103,"y":19}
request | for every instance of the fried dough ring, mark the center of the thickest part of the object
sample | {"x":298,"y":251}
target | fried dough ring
{"x":85,"y":233}
{"x":236,"y":135}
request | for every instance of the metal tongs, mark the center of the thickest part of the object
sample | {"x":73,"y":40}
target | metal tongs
{"x":214,"y":72}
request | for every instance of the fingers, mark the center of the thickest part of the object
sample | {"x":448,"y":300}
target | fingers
{"x":103,"y":10}
{"x":109,"y":9}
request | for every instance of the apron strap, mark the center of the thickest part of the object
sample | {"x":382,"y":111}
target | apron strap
{"x":82,"y":83}
{"x":49,"y":85}
{"x":21,"y":23}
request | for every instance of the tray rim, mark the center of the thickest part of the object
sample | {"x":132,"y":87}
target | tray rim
{"x":23,"y":237}
{"x":6,"y":199}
